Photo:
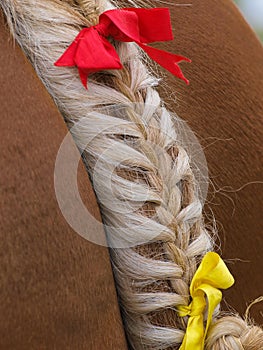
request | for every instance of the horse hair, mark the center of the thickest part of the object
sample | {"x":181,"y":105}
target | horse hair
{"x":152,"y":278}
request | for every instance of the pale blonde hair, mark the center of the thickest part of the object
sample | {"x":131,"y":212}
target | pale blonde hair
{"x":156,"y":198}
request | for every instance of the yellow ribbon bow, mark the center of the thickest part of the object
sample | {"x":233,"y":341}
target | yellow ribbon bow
{"x":210,"y":275}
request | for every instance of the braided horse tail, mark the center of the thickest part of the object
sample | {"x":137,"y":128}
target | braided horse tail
{"x":152,"y":211}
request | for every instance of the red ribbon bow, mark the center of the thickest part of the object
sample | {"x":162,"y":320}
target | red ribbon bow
{"x":91,"y":51}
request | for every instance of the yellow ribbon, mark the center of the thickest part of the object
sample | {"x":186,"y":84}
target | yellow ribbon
{"x":210,"y":275}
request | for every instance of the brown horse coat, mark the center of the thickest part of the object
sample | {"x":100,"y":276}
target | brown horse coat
{"x":57,"y":289}
{"x":224,"y":106}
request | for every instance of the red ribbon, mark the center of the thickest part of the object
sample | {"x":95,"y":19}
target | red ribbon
{"x":91,"y":51}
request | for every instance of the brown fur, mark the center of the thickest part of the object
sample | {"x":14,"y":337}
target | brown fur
{"x":224,"y":106}
{"x":57,"y":289}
